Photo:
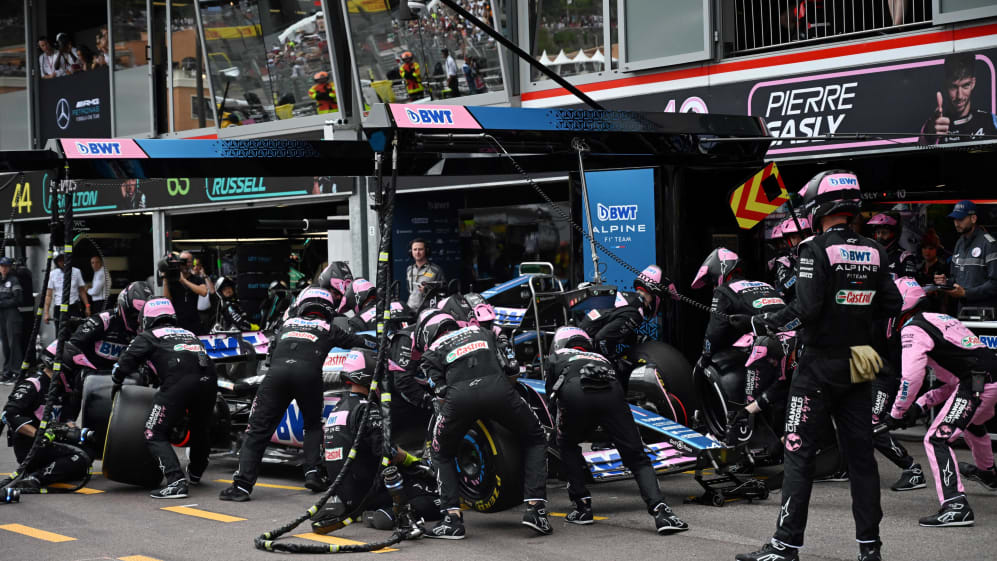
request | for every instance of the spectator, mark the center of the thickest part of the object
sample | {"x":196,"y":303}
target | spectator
{"x":930,"y":267}
{"x":974,"y":260}
{"x":96,"y":291}
{"x":27,"y":305}
{"x":474,"y":81}
{"x":450,"y":66}
{"x":10,"y":321}
{"x":69,"y":60}
{"x":53,"y":294}
{"x":420,"y":272}
{"x":184,"y":291}
{"x":46,"y":60}
{"x":206,"y":304}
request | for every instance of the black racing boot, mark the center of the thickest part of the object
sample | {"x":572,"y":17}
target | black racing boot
{"x":175,"y":490}
{"x":870,"y":551}
{"x":316,"y":481}
{"x":193,"y":478}
{"x":665,"y":520}
{"x":953,"y":513}
{"x":234,"y":493}
{"x":772,"y":551}
{"x":835,"y":477}
{"x":582,"y":513}
{"x":912,"y":478}
{"x":536,"y":517}
{"x":450,"y":528}
{"x":985,"y":477}
{"x":28,"y":485}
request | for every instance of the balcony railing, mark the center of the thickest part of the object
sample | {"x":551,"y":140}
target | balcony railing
{"x":763,"y":25}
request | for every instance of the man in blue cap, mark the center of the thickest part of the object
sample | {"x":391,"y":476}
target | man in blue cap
{"x":974,"y":260}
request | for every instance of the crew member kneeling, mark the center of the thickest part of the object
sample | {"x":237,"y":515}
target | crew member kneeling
{"x":358,"y":491}
{"x":65,"y":455}
{"x":467,"y":369}
{"x":588,"y":394}
{"x":297,"y":354}
{"x":187,"y":383}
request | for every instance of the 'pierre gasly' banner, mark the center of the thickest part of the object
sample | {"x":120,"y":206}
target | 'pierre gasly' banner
{"x":622,"y":208}
{"x":897,"y":104}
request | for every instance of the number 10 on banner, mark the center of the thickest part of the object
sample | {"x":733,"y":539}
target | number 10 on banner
{"x":21,"y":203}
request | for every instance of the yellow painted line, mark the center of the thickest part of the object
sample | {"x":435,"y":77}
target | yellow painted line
{"x":138,"y":558}
{"x":36,"y":533}
{"x":337,"y":541}
{"x":82,"y":491}
{"x":563,"y":514}
{"x":203,"y":513}
{"x":267,"y":485}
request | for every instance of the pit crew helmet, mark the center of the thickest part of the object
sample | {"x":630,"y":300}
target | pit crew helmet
{"x":431,"y":326}
{"x":568,"y":337}
{"x":482,"y":313}
{"x":889,"y":221}
{"x":359,"y":294}
{"x":314,"y":301}
{"x":157,"y":312}
{"x":648,"y":281}
{"x":831,"y":192}
{"x":911,"y":293}
{"x":358,"y":368}
{"x":337,"y":277}
{"x":131,"y":302}
{"x":717,"y":268}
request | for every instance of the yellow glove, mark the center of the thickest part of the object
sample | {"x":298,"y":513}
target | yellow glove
{"x":254,"y":327}
{"x":865,"y":363}
{"x":409,"y":460}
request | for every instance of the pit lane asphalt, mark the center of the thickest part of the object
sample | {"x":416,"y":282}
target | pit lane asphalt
{"x":122,"y":522}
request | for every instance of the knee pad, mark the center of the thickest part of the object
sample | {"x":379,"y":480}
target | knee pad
{"x":977,"y":430}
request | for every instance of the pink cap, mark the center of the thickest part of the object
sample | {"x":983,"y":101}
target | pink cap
{"x":158,"y":307}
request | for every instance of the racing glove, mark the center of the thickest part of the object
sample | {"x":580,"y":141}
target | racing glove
{"x":740,"y":426}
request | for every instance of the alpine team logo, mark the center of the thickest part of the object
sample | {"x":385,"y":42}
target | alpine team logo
{"x":762,"y":302}
{"x":854,"y":297}
{"x":430,"y":116}
{"x":616,"y":213}
{"x":466,"y":349}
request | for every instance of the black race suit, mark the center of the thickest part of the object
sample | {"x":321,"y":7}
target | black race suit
{"x":297,"y":354}
{"x":412,"y":401}
{"x":362,"y":481}
{"x":579,"y":411}
{"x":468,"y":369}
{"x":784,"y":272}
{"x":231,"y":317}
{"x":55,"y":461}
{"x":901,"y":262}
{"x":843,"y":287}
{"x":614,"y":329}
{"x":187,"y":384}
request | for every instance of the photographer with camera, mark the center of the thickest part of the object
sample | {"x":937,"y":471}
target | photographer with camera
{"x":182,"y":287}
{"x":65,"y":454}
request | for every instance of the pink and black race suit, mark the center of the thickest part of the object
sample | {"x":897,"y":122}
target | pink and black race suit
{"x":737,"y":297}
{"x":955,"y":355}
{"x":101,"y":339}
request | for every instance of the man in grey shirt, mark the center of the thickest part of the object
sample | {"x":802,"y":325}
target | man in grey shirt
{"x":974,"y":260}
{"x":420,"y":272}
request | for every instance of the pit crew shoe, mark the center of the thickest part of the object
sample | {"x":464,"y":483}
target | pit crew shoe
{"x":450,"y":528}
{"x":193,"y":478}
{"x":316,"y":482}
{"x":29,"y":485}
{"x":912,"y":478}
{"x":666,"y":522}
{"x":536,"y":517}
{"x":175,"y":490}
{"x":953,"y":513}
{"x":582,"y":514}
{"x":985,"y":477}
{"x":235,"y":494}
{"x":836,"y":477}
{"x":870,"y":551}
{"x":772,"y":551}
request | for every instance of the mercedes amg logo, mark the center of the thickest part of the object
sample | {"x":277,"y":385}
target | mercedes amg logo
{"x":62,"y":113}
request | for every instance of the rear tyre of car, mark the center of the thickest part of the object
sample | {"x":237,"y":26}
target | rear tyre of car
{"x":490,"y":468}
{"x":126,"y":457}
{"x":96,"y":407}
{"x":676,"y":377}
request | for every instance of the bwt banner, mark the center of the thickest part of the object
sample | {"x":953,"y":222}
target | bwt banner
{"x":622,"y":208}
{"x":75,"y":106}
{"x":877,"y":106}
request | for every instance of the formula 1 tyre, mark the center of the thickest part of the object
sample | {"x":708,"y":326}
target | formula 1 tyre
{"x":96,"y":407}
{"x":676,"y":377}
{"x":126,"y":457}
{"x":490,"y":468}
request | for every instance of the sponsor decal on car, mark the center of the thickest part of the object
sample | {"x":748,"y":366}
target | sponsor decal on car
{"x":465,"y":349}
{"x":854,"y":297}
{"x":300,"y":335}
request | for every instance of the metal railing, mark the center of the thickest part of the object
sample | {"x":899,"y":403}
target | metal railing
{"x":761,"y":25}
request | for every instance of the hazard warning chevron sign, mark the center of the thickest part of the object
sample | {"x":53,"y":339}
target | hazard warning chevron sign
{"x":751,"y":201}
